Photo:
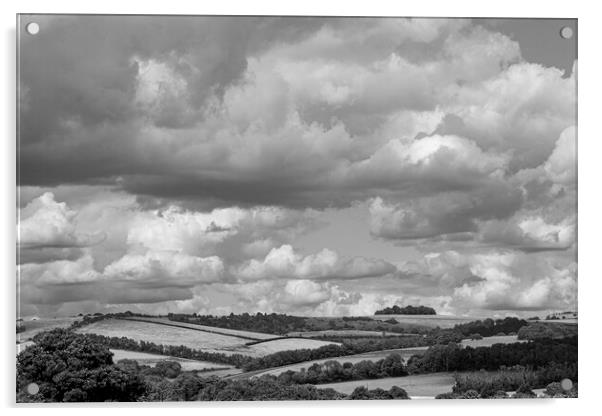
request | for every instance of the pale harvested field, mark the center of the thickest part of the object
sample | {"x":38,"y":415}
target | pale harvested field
{"x":489,"y":341}
{"x":417,"y":386}
{"x":163,"y":334}
{"x":432,"y":321}
{"x":151,"y":360}
{"x":231,"y":332}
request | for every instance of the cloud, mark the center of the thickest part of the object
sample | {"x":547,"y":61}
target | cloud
{"x":206,"y":149}
{"x":45,"y":223}
{"x":232,"y":233}
{"x":221,"y":112}
{"x":60,"y":271}
{"x":284,"y":263}
{"x":444,"y":214}
{"x":530,"y":233}
{"x":561,"y":166}
{"x":495,"y":280}
{"x":164,"y":268}
{"x":523,"y":109}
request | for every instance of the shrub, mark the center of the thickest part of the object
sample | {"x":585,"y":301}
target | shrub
{"x":554,"y":389}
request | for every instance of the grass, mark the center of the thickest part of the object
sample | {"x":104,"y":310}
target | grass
{"x":223,"y":331}
{"x":422,"y":385}
{"x":489,"y":341}
{"x":151,"y":360}
{"x":163,"y":334}
{"x":270,"y":347}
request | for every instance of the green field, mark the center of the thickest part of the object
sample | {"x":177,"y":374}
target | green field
{"x":223,"y":331}
{"x":270,"y":347}
{"x":417,"y":386}
{"x":151,"y":360}
{"x":163,"y":334}
{"x":489,"y":341}
{"x":431,"y":321}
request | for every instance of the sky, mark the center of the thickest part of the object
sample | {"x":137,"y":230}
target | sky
{"x":310,"y":166}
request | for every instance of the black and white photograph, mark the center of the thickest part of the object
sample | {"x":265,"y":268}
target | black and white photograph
{"x":294,"y":208}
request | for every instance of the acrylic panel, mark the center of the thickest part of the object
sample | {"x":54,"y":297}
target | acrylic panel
{"x":216,"y":208}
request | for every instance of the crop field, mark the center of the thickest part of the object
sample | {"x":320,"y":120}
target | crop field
{"x":489,"y":341}
{"x":200,"y":340}
{"x":151,"y":360}
{"x":270,"y":347}
{"x":417,"y":386}
{"x":344,"y":333}
{"x":33,"y":327}
{"x":431,"y":321}
{"x":223,"y":331}
{"x":405,"y":353}
{"x":163,"y":334}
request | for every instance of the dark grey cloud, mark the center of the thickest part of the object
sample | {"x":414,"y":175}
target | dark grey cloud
{"x":159,"y":106}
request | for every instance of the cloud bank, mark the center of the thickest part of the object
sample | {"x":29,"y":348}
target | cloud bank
{"x":176,"y":164}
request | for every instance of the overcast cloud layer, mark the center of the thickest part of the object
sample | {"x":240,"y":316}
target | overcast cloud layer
{"x":175,"y":164}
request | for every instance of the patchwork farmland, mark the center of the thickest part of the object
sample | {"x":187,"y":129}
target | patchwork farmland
{"x":405,"y":354}
{"x":208,"y":339}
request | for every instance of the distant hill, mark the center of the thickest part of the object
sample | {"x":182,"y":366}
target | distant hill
{"x":407,"y":310}
{"x":562,"y":315}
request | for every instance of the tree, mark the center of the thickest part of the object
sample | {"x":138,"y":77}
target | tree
{"x":70,"y":367}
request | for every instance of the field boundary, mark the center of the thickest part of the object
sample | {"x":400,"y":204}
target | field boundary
{"x":261,"y":341}
{"x":195,"y":329}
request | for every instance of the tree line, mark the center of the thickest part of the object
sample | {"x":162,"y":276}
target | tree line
{"x":335,"y":371}
{"x":514,"y":378}
{"x":407,"y":310}
{"x":453,"y":357}
{"x":545,"y":360}
{"x":489,"y":327}
{"x":539,"y":330}
{"x":282,"y":324}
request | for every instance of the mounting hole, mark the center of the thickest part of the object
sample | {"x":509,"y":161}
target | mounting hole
{"x":566,"y":384}
{"x":566,"y":32}
{"x":33,"y":388}
{"x":32,"y":28}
